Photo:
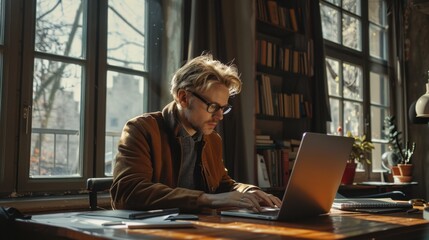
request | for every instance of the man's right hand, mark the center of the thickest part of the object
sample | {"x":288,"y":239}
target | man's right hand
{"x":230,"y":199}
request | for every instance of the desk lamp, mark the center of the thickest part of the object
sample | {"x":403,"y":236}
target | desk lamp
{"x":422,"y":104}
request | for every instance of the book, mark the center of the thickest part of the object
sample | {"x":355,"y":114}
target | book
{"x":285,"y":167}
{"x":273,"y":12}
{"x":263,"y":179}
{"x":264,"y":141}
{"x":293,"y":19}
{"x":160,"y":224}
{"x":266,"y":137}
{"x":364,"y":203}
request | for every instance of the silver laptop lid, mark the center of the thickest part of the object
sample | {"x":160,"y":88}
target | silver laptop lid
{"x":316,"y":175}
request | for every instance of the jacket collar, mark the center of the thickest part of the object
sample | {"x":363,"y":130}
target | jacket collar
{"x":170,"y":115}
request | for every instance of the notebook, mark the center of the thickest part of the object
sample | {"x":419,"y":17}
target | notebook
{"x":314,"y":180}
{"x":375,"y":205}
{"x":133,"y":214}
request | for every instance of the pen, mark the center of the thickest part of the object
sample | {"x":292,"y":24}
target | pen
{"x":114,"y":223}
{"x":153,"y":213}
{"x":413,"y":210}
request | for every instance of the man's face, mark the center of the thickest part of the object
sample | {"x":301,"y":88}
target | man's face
{"x":196,"y":116}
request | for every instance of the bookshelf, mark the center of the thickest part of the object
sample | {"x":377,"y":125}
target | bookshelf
{"x":283,"y":101}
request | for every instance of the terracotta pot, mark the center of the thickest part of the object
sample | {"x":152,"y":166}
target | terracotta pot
{"x":349,"y":174}
{"x":403,"y":179}
{"x":395,"y":171}
{"x":406,"y":169}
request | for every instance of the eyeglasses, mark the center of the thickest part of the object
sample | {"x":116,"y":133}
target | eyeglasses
{"x":213,"y":107}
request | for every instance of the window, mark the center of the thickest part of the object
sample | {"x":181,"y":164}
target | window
{"x":85,"y":72}
{"x":355,"y":34}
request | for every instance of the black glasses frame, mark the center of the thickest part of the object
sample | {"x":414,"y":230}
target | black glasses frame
{"x":213,"y":107}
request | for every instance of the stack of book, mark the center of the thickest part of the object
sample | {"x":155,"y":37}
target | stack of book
{"x":274,"y":160}
{"x":273,"y":167}
{"x":264,"y":141}
{"x":287,"y":105}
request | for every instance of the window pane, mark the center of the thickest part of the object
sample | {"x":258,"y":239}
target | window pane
{"x":376,"y":12}
{"x":333,"y":78}
{"x":352,"y":6}
{"x":377,"y":42}
{"x":56,"y":114}
{"x":377,"y":165}
{"x":59,"y":28}
{"x":126,"y":98}
{"x":126,"y":34}
{"x":330,"y":23}
{"x":335,"y":2}
{"x":352,"y":32}
{"x":378,"y":115}
{"x":353,"y":118}
{"x":335,"y":115}
{"x":379,"y":89}
{"x":379,"y":96}
{"x":352,"y":80}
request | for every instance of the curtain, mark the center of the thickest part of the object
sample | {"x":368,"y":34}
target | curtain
{"x":222,"y":28}
{"x":172,"y":42}
{"x":321,"y":108}
{"x":396,"y":60}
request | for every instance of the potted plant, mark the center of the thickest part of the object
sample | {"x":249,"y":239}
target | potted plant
{"x":359,"y":154}
{"x":399,"y":156}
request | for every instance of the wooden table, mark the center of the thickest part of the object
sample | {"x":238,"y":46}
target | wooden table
{"x":336,"y":225}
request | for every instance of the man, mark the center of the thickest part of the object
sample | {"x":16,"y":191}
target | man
{"x":173,"y":158}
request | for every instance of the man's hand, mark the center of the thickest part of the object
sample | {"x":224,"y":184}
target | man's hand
{"x":252,"y":200}
{"x":266,"y":199}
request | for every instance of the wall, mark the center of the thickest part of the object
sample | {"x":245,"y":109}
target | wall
{"x":417,"y":66}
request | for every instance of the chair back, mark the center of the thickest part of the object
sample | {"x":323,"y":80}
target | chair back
{"x":95,"y":185}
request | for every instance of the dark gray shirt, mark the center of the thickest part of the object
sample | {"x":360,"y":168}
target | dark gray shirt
{"x":190,"y":151}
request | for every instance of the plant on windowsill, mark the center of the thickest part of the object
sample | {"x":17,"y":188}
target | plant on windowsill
{"x":399,"y":156}
{"x":361,"y":149}
{"x":359,"y":154}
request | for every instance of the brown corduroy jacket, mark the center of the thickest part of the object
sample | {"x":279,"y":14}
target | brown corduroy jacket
{"x":148,"y":162}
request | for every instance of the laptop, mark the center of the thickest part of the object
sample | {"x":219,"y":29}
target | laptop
{"x":314,"y":180}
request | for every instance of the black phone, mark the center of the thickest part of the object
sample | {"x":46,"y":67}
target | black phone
{"x":183,"y":217}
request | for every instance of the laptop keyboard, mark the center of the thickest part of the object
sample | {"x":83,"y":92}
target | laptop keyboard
{"x":268,"y":211}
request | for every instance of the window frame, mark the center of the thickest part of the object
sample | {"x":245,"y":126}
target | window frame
{"x":9,"y":102}
{"x":18,"y":77}
{"x":24,"y":182}
{"x":368,"y":64}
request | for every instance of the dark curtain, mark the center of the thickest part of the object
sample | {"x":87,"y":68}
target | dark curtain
{"x":396,"y":55}
{"x":321,"y":111}
{"x":205,"y":31}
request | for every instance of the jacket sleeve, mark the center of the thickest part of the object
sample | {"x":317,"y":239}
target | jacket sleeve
{"x":143,"y":176}
{"x":228,"y":184}
{"x":219,"y":180}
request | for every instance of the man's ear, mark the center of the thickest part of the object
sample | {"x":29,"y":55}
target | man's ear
{"x":182,"y":98}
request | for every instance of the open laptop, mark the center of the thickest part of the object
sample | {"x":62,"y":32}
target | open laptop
{"x":314,"y":180}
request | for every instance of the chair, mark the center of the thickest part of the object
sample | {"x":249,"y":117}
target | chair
{"x":96,"y":185}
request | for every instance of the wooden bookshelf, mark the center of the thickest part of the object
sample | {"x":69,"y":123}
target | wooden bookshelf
{"x":284,"y":70}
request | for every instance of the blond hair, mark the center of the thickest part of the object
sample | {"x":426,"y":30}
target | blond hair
{"x":200,"y":73}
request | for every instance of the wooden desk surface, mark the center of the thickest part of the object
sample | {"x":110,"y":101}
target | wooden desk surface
{"x":336,"y":225}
